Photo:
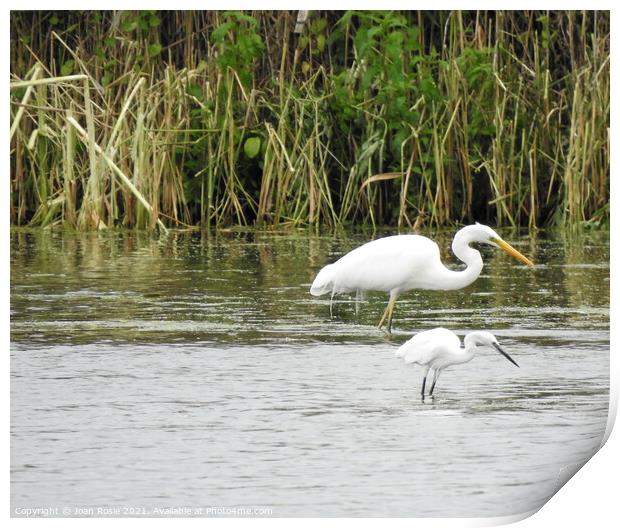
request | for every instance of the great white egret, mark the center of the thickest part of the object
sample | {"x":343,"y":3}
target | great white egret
{"x":439,"y":348}
{"x":400,"y":263}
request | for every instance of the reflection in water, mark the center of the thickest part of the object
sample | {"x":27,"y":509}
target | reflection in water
{"x":199,"y":371}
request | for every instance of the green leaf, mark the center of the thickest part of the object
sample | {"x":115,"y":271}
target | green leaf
{"x":128,"y":26}
{"x":219,"y":33}
{"x":320,"y":24}
{"x":154,"y":49}
{"x":67,"y":68}
{"x":195,"y":91}
{"x":251,"y":147}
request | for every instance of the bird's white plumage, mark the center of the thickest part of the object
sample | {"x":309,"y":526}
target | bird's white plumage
{"x":324,"y":281}
{"x":426,"y":346}
{"x":397,"y":263}
{"x":439,"y":348}
{"x":400,"y":263}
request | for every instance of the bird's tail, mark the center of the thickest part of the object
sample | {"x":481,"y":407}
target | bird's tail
{"x":408,"y":353}
{"x":324,"y":281}
{"x":401,"y":351}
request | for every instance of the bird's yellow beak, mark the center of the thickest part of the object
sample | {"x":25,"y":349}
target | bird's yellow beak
{"x":512,"y":251}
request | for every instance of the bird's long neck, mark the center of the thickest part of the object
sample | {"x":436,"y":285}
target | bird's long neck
{"x":469,"y":350}
{"x":453,"y":280}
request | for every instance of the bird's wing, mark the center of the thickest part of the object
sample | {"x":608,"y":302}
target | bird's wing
{"x":386,"y":263}
{"x":426,"y":346}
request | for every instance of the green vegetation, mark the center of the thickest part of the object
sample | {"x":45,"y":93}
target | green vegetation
{"x":230,"y":118}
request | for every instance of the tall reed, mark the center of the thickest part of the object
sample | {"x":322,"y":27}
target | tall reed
{"x":231,"y":118}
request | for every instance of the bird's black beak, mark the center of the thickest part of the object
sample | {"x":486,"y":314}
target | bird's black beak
{"x":499,"y":349}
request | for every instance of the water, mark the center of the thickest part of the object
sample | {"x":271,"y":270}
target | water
{"x":199,"y":372}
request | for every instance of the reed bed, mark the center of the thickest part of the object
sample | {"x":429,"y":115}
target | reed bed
{"x":150,"y":119}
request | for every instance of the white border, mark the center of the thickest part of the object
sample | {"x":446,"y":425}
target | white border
{"x":587,"y":499}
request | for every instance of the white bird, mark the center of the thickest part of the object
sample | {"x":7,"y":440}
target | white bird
{"x":440,"y":348}
{"x":400,"y":263}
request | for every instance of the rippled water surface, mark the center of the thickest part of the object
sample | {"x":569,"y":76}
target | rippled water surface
{"x":198,"y":371}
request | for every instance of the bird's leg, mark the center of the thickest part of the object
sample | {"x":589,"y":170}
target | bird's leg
{"x":392,"y":305}
{"x":357,"y":301}
{"x":389,"y":312}
{"x":435,"y":378}
{"x":424,"y":382}
{"x":331,"y":302}
{"x":384,"y":316}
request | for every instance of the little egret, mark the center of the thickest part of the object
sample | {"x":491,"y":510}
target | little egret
{"x":400,"y":263}
{"x":439,"y":348}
